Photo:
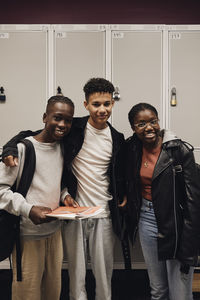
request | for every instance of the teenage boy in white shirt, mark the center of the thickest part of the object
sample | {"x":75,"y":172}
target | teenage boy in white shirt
{"x":97,"y":167}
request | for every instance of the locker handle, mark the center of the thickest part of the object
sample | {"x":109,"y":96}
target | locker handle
{"x":116,"y":94}
{"x":2,"y":95}
{"x":173,"y":101}
{"x":59,"y":91}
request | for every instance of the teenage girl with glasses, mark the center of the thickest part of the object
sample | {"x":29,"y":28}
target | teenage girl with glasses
{"x":163,"y":194}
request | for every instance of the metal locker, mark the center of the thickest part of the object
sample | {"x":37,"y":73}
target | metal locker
{"x":79,"y":56}
{"x":23,"y":76}
{"x":184,"y":77}
{"x":137,"y":72}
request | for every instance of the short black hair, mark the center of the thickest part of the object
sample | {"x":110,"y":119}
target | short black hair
{"x":139,"y":107}
{"x":97,"y":85}
{"x":55,"y":99}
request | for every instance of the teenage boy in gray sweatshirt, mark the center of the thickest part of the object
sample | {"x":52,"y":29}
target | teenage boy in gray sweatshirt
{"x":41,"y":242}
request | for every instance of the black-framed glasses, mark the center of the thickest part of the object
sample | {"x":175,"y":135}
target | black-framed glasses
{"x":142,"y":125}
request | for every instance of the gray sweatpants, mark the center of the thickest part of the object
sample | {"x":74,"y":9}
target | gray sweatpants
{"x":98,"y":235}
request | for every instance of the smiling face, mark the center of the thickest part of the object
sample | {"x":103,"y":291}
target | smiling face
{"x":99,"y":106}
{"x":58,"y":121}
{"x":147,"y":128}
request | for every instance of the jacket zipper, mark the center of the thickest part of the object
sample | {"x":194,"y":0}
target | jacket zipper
{"x":175,"y":218}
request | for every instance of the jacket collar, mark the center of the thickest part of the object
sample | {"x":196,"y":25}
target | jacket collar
{"x":115,"y":138}
{"x":170,"y":140}
{"x":80,"y":122}
{"x":162,"y":163}
{"x":169,"y":136}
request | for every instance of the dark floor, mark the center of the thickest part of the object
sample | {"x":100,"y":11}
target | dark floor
{"x":126,"y":285}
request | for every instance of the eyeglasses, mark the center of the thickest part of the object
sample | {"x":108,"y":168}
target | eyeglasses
{"x":142,"y":125}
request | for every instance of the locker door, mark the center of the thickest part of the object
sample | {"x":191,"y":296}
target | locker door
{"x":184,"y":71}
{"x":137,"y":71}
{"x":23,"y":77}
{"x":79,"y":57}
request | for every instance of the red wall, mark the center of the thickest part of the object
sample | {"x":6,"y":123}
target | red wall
{"x":100,"y":12}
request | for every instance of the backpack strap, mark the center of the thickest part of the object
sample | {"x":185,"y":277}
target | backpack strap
{"x":28,"y":169}
{"x":23,"y":187}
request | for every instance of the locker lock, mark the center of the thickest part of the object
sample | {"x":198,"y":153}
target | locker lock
{"x":59,"y":91}
{"x":2,"y":95}
{"x":173,"y":101}
{"x":116,"y":94}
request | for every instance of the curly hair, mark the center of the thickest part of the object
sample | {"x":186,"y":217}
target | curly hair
{"x":139,"y":107}
{"x":97,"y":85}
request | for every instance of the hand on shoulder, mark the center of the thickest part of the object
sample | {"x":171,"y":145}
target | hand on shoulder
{"x":10,"y":161}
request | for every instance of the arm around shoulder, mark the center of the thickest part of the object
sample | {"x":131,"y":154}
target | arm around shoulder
{"x":10,"y":148}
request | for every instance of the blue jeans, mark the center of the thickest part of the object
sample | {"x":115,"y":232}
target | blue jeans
{"x":166,"y":280}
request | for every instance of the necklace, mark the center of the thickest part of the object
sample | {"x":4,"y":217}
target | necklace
{"x":149,"y":155}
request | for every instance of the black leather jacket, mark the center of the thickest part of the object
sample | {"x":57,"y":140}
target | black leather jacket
{"x":175,"y":196}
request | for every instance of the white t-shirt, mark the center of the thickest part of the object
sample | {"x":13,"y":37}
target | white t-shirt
{"x":90,"y":167}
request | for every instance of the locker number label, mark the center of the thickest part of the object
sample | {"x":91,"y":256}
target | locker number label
{"x":118,"y":35}
{"x":60,"y":35}
{"x":175,"y":35}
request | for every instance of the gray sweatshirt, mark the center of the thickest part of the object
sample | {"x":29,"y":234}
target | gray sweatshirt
{"x":45,"y":188}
